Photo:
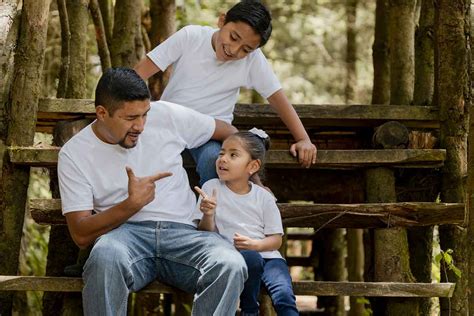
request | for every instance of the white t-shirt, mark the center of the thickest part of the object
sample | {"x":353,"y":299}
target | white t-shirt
{"x":92,"y":173}
{"x":201,"y":82}
{"x":254,"y":214}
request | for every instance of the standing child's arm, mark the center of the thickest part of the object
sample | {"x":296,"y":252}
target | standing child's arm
{"x":269,"y":243}
{"x":208,"y":209}
{"x":146,"y":68}
{"x":303,"y":148}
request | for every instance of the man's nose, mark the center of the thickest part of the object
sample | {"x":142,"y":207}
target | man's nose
{"x":139,"y":125}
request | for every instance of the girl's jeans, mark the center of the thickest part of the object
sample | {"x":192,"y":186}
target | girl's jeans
{"x":274,"y":275}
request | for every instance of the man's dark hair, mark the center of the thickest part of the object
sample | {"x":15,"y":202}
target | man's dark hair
{"x":119,"y":85}
{"x":254,"y":14}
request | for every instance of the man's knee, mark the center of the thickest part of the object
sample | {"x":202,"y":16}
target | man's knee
{"x":107,"y":256}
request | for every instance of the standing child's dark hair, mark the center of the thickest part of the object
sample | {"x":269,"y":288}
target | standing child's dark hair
{"x":256,"y":142}
{"x":254,"y":14}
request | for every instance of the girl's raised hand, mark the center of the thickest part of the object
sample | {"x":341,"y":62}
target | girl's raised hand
{"x":208,"y":203}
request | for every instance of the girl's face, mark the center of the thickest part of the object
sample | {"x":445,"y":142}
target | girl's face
{"x":234,"y":162}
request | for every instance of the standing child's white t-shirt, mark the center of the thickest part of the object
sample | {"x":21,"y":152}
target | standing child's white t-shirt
{"x":254,"y":214}
{"x":201,"y":82}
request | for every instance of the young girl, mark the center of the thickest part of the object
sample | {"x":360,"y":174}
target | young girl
{"x":246,"y":215}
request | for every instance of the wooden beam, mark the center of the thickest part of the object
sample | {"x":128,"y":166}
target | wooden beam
{"x":312,"y":115}
{"x":376,"y":215}
{"x":381,"y":289}
{"x":327,"y":159}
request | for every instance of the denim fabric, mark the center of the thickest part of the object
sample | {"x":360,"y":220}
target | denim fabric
{"x":276,"y":279}
{"x":136,"y":253}
{"x":205,"y":158}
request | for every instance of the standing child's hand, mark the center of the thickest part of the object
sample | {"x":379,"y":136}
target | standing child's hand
{"x":305,"y":151}
{"x":242,"y":242}
{"x":208,"y":203}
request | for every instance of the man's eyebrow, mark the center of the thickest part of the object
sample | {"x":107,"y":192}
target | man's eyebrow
{"x":137,"y":115}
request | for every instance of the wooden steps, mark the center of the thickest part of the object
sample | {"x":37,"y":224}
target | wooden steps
{"x":327,"y":159}
{"x":321,"y":288}
{"x":312,"y":115}
{"x":376,"y":215}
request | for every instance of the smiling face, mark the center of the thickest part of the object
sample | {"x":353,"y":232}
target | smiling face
{"x":234,"y":163}
{"x":234,"y":40}
{"x":124,"y":126}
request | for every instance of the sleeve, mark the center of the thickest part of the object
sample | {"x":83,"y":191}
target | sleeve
{"x":76,"y":192}
{"x":170,"y":50}
{"x":193,"y":127}
{"x":271,"y":216}
{"x":261,"y":76}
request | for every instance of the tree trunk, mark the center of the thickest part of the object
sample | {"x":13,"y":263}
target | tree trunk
{"x":331,"y":263}
{"x":452,"y":95}
{"x":355,"y":266}
{"x":402,"y":62}
{"x":100,"y":35}
{"x":62,"y":250}
{"x":163,"y":16}
{"x":127,"y":24}
{"x":107,"y":10}
{"x":380,"y":55}
{"x":78,"y":16}
{"x":23,"y":104}
{"x":421,"y":239}
{"x":351,"y":51}
{"x":424,"y":56}
{"x":470,"y":203}
{"x":391,"y":254}
{"x":9,"y":25}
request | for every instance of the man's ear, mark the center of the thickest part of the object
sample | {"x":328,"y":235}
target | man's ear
{"x":221,"y":20}
{"x":101,"y":112}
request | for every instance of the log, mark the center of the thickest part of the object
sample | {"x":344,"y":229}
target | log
{"x":312,"y":115}
{"x":375,"y":215}
{"x":385,"y":289}
{"x":328,"y":159}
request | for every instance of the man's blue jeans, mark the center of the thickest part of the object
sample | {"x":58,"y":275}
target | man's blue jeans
{"x":129,"y":257}
{"x":274,"y":275}
{"x":205,"y":158}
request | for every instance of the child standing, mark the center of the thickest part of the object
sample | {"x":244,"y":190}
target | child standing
{"x":247,"y":216}
{"x":211,"y":65}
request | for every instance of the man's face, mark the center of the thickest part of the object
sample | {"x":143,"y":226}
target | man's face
{"x":234,"y":40}
{"x":125,"y":125}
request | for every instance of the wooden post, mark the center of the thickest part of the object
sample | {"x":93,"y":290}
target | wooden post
{"x":453,"y":96}
{"x":23,"y":103}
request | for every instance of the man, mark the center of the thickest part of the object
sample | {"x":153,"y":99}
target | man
{"x":124,"y":188}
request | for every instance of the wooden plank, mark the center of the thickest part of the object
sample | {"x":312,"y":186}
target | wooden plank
{"x":376,"y":215}
{"x":327,"y":159}
{"x":381,"y":289}
{"x":374,"y":289}
{"x":372,"y":215}
{"x":312,"y":115}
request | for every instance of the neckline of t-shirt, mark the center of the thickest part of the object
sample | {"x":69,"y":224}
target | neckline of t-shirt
{"x":237,"y":194}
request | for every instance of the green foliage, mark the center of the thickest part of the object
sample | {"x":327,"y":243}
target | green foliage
{"x":367,"y":310}
{"x":445,"y":260}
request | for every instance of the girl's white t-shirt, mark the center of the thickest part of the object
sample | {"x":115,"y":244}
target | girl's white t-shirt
{"x":203,"y":83}
{"x":254,"y":214}
{"x":92,"y":173}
